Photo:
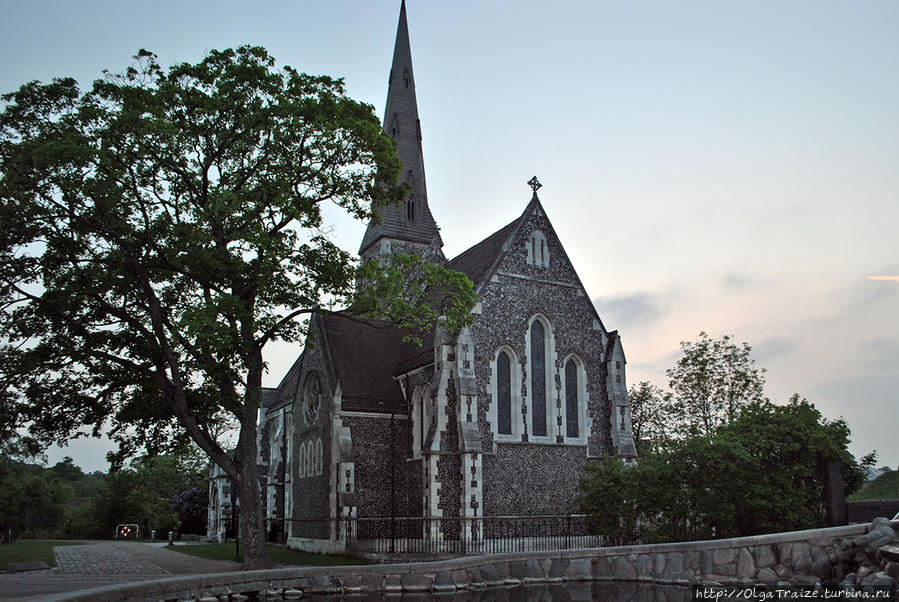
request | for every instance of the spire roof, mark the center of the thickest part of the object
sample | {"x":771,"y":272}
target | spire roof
{"x":401,"y":123}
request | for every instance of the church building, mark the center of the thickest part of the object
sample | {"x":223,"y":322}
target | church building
{"x":499,"y":419}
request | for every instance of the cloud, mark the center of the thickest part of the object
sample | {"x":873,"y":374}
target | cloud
{"x":632,"y":311}
{"x":737,"y":281}
{"x":774,"y":347}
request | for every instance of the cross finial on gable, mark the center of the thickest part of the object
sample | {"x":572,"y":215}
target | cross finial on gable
{"x":534,"y":183}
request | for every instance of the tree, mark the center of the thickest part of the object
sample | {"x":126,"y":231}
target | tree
{"x":711,"y":382}
{"x":763,"y":472}
{"x":162,"y":228}
{"x":650,"y":416}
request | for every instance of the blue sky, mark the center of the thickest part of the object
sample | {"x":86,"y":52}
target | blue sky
{"x":729,"y":167}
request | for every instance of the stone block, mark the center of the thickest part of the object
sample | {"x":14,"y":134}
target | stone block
{"x":643,"y":565}
{"x":475,"y":579}
{"x":745,"y":564}
{"x":723,"y":556}
{"x":784,"y":553}
{"x":601,"y":568}
{"x":417,"y":582}
{"x":534,"y":572}
{"x":659,"y":563}
{"x":491,"y":575}
{"x":784,"y":572}
{"x":821,"y":568}
{"x":578,"y":569}
{"x":705,"y":563}
{"x":393,"y":583}
{"x":443,"y":582}
{"x":517,"y":569}
{"x":623,"y":569}
{"x":674,"y":567}
{"x":461,"y":579}
{"x":728,"y":570}
{"x":764,"y":556}
{"x":557,"y":569}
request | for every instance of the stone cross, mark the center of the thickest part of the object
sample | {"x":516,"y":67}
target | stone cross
{"x":534,"y":183}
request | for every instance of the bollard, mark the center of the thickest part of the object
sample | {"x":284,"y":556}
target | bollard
{"x":171,"y":538}
{"x":153,"y":535}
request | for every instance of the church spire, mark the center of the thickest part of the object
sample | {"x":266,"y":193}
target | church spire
{"x":408,"y":227}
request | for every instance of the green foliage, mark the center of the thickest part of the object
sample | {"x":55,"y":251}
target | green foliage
{"x":762,"y":472}
{"x":884,"y":487}
{"x":650,"y":420}
{"x":141,"y":493}
{"x":31,"y":505}
{"x":711,"y":382}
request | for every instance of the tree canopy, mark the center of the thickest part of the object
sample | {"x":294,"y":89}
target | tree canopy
{"x":163,"y":227}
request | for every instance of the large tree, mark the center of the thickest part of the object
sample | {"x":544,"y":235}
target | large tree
{"x":711,"y":382}
{"x":160,"y":229}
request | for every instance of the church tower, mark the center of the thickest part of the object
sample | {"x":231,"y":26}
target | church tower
{"x":408,"y":227}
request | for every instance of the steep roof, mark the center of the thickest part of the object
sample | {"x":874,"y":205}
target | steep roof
{"x":366,"y":355}
{"x":401,"y":123}
{"x":477,"y":260}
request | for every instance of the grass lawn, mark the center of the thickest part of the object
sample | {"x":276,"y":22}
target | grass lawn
{"x":32,"y":550}
{"x":279,"y":555}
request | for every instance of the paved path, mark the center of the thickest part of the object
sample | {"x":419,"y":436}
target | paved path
{"x":93,"y":565}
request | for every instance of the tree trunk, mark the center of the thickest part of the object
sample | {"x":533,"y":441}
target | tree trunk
{"x":252,"y":526}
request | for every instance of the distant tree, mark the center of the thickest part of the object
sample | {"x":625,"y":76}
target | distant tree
{"x":711,"y":382}
{"x":162,"y":228}
{"x":650,"y":416}
{"x":30,"y":504}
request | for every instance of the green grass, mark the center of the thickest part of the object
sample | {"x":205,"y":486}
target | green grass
{"x":32,"y":550}
{"x":279,"y":555}
{"x":884,"y":487}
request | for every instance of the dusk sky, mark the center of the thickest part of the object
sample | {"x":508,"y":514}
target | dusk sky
{"x":730,"y":167}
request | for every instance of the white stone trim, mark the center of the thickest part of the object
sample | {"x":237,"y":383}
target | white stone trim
{"x":583,"y":397}
{"x":493,"y":407}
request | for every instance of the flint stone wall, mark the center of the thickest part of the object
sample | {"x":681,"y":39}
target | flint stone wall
{"x":799,"y":557}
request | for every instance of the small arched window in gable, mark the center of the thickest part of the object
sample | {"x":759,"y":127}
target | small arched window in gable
{"x":538,"y":250}
{"x":394,"y":127}
{"x":410,"y":209}
{"x":310,"y":460}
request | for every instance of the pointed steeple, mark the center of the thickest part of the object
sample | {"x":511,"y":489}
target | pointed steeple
{"x":411,"y":223}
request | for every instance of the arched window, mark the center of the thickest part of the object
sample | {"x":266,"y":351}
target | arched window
{"x":538,"y":379}
{"x":318,"y":456}
{"x":410,"y":209}
{"x":538,"y":250}
{"x":572,"y":400}
{"x":503,"y":394}
{"x":310,"y":460}
{"x":301,"y":465}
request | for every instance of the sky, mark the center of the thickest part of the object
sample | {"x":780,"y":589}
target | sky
{"x":729,"y":167}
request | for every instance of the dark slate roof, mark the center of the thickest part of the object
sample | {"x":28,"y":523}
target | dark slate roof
{"x":477,"y":261}
{"x":366,"y":355}
{"x":269,"y":396}
{"x":287,"y":388}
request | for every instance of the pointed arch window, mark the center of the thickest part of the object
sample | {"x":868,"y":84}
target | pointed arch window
{"x":538,"y":379}
{"x":410,"y":208}
{"x":302,"y":463}
{"x":318,"y":456}
{"x":505,"y":409}
{"x":503,"y":394}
